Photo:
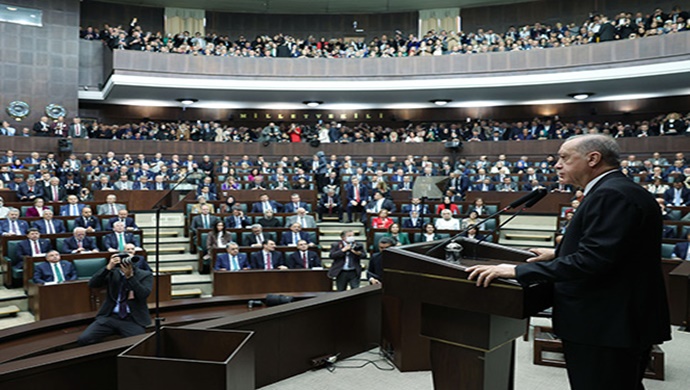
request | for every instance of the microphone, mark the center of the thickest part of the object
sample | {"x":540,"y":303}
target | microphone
{"x":253,"y":303}
{"x":539,"y":192}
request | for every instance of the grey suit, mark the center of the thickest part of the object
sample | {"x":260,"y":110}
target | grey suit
{"x":309,"y":221}
{"x":104,"y":209}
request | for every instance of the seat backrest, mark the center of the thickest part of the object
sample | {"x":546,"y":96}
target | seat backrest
{"x":12,"y":249}
{"x":313,"y":237}
{"x":69,"y":225}
{"x":666,"y":250}
{"x":105,"y":224}
{"x":490,"y":224}
{"x":377,"y":238}
{"x":203,"y":238}
{"x":490,"y":209}
{"x":674,"y":215}
{"x":86,"y":268}
{"x":59,"y":242}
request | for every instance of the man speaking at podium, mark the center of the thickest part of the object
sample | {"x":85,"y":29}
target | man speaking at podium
{"x":610,"y":302}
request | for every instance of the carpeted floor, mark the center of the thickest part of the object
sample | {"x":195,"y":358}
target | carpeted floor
{"x":528,"y":375}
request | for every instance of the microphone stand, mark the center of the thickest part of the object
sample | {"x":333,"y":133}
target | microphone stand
{"x":159,"y":207}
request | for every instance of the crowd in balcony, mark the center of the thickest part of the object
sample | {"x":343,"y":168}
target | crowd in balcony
{"x":595,"y":28}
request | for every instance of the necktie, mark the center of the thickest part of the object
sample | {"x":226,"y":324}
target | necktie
{"x":77,"y":130}
{"x":676,"y":200}
{"x":269,"y":263}
{"x":267,"y":206}
{"x":356,"y":189}
{"x":31,"y":189}
{"x":79,"y":244}
{"x":112,"y":209}
{"x":122,"y":307}
{"x":295,"y":238}
{"x":37,"y":249}
{"x":120,"y":242}
{"x":55,"y":194}
{"x":15,"y":228}
{"x":304,"y":260}
{"x":57,"y":270}
{"x":234,"y":264}
{"x":74,"y":211}
{"x":238,"y":222}
{"x":205,"y":217}
{"x":301,"y":222}
{"x":330,"y":205}
{"x":51,"y":228}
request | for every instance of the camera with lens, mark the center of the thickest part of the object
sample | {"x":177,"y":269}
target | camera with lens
{"x":358,"y":247}
{"x":126,"y":259}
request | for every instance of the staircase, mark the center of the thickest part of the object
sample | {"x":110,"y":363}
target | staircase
{"x":529,"y":231}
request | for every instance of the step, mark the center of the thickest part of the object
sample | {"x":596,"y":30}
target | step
{"x":531,"y":222}
{"x":163,"y":233}
{"x":167,"y":219}
{"x":166,"y":248}
{"x":165,"y":240}
{"x":22,"y":318}
{"x":9,"y":311}
{"x":176,"y":269}
{"x":187,"y":293}
{"x":528,"y":236}
{"x":178,"y":280}
{"x":15,"y":296}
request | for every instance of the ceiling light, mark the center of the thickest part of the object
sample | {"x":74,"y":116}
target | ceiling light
{"x":441,"y":102}
{"x":11,"y":9}
{"x":187,"y":101}
{"x":312,"y":103}
{"x":581,"y":95}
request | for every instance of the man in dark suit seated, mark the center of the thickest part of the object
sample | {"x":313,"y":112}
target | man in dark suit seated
{"x":266,"y":204}
{"x":379,"y":203}
{"x":233,"y":260}
{"x":237,"y":220}
{"x":142,"y":184}
{"x":415,"y":205}
{"x":159,"y":184}
{"x":330,"y":204}
{"x":295,"y":234}
{"x":33,"y":246}
{"x":88,"y":221}
{"x":48,"y":225}
{"x":115,"y":241}
{"x":269,"y":221}
{"x":356,"y":199}
{"x":610,"y":253}
{"x":267,"y":258}
{"x":414,"y":222}
{"x":679,"y":195}
{"x":122,"y":216}
{"x":79,"y":243}
{"x":257,"y":238}
{"x":73,"y":208}
{"x":485,"y":186}
{"x":303,"y":257}
{"x":295,"y":203}
{"x":124,"y":310}
{"x":29,"y":190}
{"x":12,"y":225}
{"x":682,"y":249}
{"x":347,"y":255}
{"x":203,"y":221}
{"x":54,"y":270}
{"x":375,"y":270}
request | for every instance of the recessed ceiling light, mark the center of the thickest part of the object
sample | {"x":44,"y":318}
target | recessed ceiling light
{"x":581,"y":95}
{"x":312,"y":103}
{"x":11,"y":9}
{"x":187,"y":101}
{"x":440,"y":102}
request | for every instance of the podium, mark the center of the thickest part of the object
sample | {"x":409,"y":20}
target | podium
{"x":433,"y":317}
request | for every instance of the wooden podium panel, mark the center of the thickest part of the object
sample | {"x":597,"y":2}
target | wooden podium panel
{"x":679,"y":294}
{"x":433,"y":317}
{"x":56,"y":300}
{"x":270,"y":281}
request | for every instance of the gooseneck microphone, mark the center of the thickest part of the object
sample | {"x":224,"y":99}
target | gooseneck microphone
{"x":535,"y":195}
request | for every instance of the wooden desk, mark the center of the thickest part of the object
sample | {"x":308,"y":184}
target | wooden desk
{"x":273,"y":281}
{"x":679,"y":294}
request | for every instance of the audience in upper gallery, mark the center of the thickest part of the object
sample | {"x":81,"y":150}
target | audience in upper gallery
{"x":595,"y":28}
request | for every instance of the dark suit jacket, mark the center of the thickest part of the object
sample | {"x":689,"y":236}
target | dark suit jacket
{"x":110,"y":240}
{"x":64,"y":209}
{"x":48,"y":194}
{"x":85,"y":223}
{"x":387,"y":204}
{"x":141,"y":284}
{"x":684,"y":195}
{"x":480,"y":186}
{"x":129,"y":223}
{"x":408,"y":209}
{"x":230,"y":222}
{"x":294,"y":261}
{"x":339,"y":259}
{"x":258,"y":207}
{"x":351,"y":192}
{"x":140,"y":186}
{"x":198,"y":223}
{"x":375,"y":269}
{"x":681,"y":250}
{"x":5,"y":226}
{"x":57,"y":224}
{"x":223,"y":261}
{"x":407,"y":223}
{"x":290,"y":207}
{"x":24,"y":249}
{"x":24,"y":193}
{"x":286,"y":239}
{"x":608,"y":284}
{"x":70,"y":245}
{"x":43,"y":272}
{"x":257,"y":260}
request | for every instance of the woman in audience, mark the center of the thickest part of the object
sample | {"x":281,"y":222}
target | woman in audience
{"x":383,"y":188}
{"x":85,"y":195}
{"x":401,"y":238}
{"x":37,"y":209}
{"x":447,"y":222}
{"x":471,"y":219}
{"x":217,"y":238}
{"x":430,"y":233}
{"x":228,"y":204}
{"x":16,"y":164}
{"x":382,"y":221}
{"x":253,"y":174}
{"x":230,"y":184}
{"x":447,"y":205}
{"x":657,"y":187}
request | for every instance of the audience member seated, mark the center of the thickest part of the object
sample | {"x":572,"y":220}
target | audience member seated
{"x":73,"y":208}
{"x":375,"y":269}
{"x":306,"y":221}
{"x":203,"y":221}
{"x":217,"y":238}
{"x":473,"y":233}
{"x":346,"y":268}
{"x":303,"y":258}
{"x":3,"y":210}
{"x":295,"y":234}
{"x":330,"y":204}
{"x":415,"y":205}
{"x":88,"y":221}
{"x":269,"y":220}
{"x":266,"y":204}
{"x":232,"y":260}
{"x":472,"y":219}
{"x":682,"y":249}
{"x":399,"y":237}
{"x":33,"y":246}
{"x":116,"y":241}
{"x":29,"y":190}
{"x":228,"y":204}
{"x":447,"y":205}
{"x":430,"y":233}
{"x":196,"y":208}
{"x":679,"y":195}
{"x":123,"y":184}
{"x":414,"y":221}
{"x":110,"y":207}
{"x":122,"y":216}
{"x":356,"y":199}
{"x":37,"y":209}
{"x":382,"y":221}
{"x":268,"y":258}
{"x":79,"y":242}
{"x":48,"y":225}
{"x":447,"y":222}
{"x":378,"y":203}
{"x":12,"y":225}
{"x":237,"y":220}
{"x":54,"y":270}
{"x":294,"y":204}
{"x":256,"y":239}
{"x":479,"y":207}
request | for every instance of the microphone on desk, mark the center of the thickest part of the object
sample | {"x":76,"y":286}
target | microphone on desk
{"x":534,"y":196}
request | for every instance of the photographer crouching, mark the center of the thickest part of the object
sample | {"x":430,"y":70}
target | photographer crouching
{"x":124,"y":311}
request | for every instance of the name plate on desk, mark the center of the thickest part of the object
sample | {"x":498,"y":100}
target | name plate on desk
{"x":273,"y":281}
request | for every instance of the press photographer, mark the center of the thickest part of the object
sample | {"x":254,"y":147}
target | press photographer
{"x":347,"y":255}
{"x":124,"y":310}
